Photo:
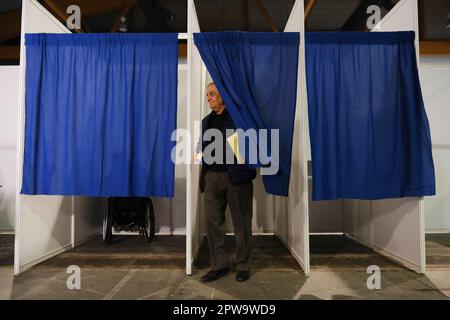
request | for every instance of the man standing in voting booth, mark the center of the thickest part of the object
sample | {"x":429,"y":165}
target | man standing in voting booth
{"x":225,"y":182}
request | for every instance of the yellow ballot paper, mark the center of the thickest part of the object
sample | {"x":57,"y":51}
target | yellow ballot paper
{"x":233,"y":142}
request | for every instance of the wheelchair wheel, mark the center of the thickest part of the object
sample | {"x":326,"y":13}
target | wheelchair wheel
{"x":108,"y":222}
{"x":149,"y":220}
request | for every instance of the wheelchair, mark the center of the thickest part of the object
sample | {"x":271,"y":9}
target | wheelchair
{"x":127,"y":214}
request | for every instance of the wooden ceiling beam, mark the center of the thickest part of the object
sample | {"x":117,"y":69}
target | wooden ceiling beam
{"x":266,"y":15}
{"x":439,"y":47}
{"x":9,"y":52}
{"x":309,"y":6}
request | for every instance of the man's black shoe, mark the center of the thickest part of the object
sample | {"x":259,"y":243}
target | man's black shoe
{"x":242,"y":275}
{"x":214,"y":275}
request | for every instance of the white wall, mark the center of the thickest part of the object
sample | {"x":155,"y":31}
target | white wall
{"x":358,"y":220}
{"x":435,"y":81}
{"x":9,"y":81}
{"x":87,"y":218}
{"x":179,"y":199}
{"x":325,"y":216}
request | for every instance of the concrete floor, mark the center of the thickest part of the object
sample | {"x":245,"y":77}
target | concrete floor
{"x":131,"y":268}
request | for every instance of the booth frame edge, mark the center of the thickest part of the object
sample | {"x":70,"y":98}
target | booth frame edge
{"x":304,"y":114}
{"x":189,"y":258}
{"x":18,"y":269}
{"x":302,"y":109}
{"x":20,"y":122}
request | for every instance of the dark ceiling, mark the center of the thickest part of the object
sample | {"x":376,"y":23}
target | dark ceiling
{"x":8,"y":5}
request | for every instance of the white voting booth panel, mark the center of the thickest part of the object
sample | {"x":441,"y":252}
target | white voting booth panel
{"x":45,"y":225}
{"x":9,"y":78}
{"x":291,"y":213}
{"x":393,"y":227}
{"x":435,"y":76}
{"x":285,"y":217}
{"x":194,"y":227}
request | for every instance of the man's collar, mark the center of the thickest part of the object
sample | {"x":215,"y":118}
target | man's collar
{"x":224,"y":112}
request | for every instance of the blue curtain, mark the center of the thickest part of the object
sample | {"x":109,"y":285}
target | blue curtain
{"x":100,"y":110}
{"x":370,"y":136}
{"x":256,"y":75}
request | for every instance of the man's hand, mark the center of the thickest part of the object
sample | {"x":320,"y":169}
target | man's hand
{"x":197,"y":158}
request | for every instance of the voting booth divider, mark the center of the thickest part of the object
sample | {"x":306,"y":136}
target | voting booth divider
{"x":49,"y":225}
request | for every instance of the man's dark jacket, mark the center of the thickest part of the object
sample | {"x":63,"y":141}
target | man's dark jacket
{"x":239,"y":173}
